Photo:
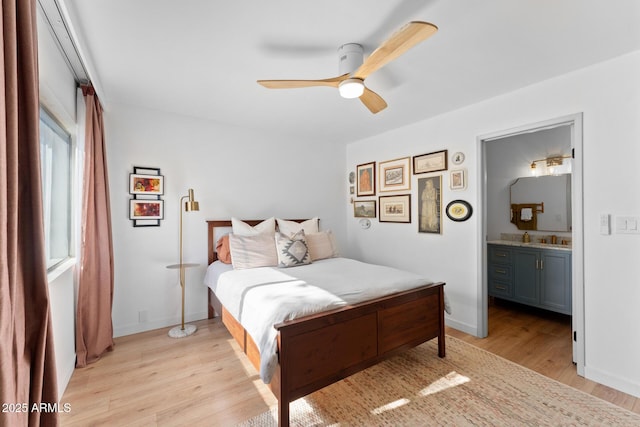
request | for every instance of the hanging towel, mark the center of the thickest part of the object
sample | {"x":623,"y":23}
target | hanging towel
{"x":526,"y":214}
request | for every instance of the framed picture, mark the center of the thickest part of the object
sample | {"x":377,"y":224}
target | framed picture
{"x":430,"y":207}
{"x":364,"y":209}
{"x":430,"y":162}
{"x":366,"y":179}
{"x":395,"y":175}
{"x":146,"y":209}
{"x":395,"y":208}
{"x":152,"y":185}
{"x":458,"y":179}
{"x":459,"y":210}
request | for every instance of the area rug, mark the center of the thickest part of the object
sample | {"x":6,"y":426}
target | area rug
{"x":470,"y":387}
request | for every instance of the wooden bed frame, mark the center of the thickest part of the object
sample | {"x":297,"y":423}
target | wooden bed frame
{"x":317,"y":350}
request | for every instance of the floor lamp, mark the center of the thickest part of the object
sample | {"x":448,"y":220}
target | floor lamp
{"x":184,"y":330}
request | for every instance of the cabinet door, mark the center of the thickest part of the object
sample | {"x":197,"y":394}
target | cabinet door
{"x":555,"y":281}
{"x":525,"y":274}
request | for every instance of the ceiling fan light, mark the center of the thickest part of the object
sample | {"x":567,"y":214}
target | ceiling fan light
{"x":351,"y":88}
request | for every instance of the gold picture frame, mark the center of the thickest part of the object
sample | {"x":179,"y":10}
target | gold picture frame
{"x":430,"y":205}
{"x":395,"y":175}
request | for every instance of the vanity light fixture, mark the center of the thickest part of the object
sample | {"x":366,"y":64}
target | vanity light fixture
{"x":550,"y":162}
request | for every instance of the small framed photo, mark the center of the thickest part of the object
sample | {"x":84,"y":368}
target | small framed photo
{"x":458,"y":179}
{"x":430,"y":207}
{"x":364,"y":209}
{"x":430,"y":162}
{"x":395,"y":175}
{"x":146,"y":209}
{"x":152,"y":185}
{"x":366,"y":179}
{"x":395,"y":208}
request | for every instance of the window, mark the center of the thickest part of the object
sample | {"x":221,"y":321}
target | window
{"x":55,"y":159}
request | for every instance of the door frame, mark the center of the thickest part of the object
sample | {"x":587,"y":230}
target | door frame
{"x":577,"y":233}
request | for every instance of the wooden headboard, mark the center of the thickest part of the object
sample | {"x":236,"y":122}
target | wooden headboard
{"x":212,"y":225}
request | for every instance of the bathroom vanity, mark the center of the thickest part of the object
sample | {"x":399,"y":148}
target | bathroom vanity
{"x":535,"y":274}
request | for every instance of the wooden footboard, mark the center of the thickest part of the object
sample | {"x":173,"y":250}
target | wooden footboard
{"x":317,"y":350}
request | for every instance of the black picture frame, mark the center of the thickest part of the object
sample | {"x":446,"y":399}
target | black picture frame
{"x":459,"y":210}
{"x":144,"y":196}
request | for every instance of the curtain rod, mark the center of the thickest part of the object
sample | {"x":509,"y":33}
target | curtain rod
{"x":60,"y":32}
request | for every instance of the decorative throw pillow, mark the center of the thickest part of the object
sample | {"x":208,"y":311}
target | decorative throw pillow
{"x":322,"y":245}
{"x":222,"y":249}
{"x":289,"y":228}
{"x":292,"y":251}
{"x":253,"y":251}
{"x":241,"y":228}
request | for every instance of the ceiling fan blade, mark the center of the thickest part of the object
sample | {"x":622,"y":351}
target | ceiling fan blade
{"x":292,"y":84}
{"x":372,"y":101}
{"x":403,"y":40}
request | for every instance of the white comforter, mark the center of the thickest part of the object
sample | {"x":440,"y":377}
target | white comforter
{"x":261,"y":297}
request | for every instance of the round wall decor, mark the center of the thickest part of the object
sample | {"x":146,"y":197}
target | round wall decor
{"x":459,"y":210}
{"x":457,"y":158}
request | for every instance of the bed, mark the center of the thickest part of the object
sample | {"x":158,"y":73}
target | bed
{"x":319,"y":349}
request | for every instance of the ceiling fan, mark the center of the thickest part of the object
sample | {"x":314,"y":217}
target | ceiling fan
{"x":354,"y":70}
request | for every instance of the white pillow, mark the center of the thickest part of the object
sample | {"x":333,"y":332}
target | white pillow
{"x":253,"y":251}
{"x":289,"y":228}
{"x":241,"y":228}
{"x":322,"y":245}
{"x":292,"y":251}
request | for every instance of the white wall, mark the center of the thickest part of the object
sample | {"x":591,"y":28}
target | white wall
{"x":58,"y":95}
{"x":609,"y":96}
{"x":233,"y":171}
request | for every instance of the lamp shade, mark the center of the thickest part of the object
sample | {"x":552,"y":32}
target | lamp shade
{"x":191,"y":204}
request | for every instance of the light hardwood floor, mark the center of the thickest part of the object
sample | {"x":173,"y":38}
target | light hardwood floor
{"x":541,"y":341}
{"x":151,"y":379}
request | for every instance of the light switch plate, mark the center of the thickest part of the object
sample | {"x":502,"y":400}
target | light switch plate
{"x":627,"y":224}
{"x":605,"y":224}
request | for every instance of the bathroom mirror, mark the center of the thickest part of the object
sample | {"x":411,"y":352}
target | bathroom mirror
{"x":551,"y":194}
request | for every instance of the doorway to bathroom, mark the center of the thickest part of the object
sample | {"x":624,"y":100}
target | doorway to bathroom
{"x":520,"y":155}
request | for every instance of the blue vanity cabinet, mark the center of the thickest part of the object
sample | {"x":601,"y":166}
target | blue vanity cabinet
{"x":536,"y":277}
{"x":555,"y":281}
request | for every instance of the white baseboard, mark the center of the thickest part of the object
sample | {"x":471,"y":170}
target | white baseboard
{"x":135,"y":328}
{"x":613,"y":381}
{"x":464,"y":327}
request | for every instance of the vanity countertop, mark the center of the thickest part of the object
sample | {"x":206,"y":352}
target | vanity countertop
{"x":531,"y":245}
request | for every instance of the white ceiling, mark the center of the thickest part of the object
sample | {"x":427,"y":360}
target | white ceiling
{"x":202,"y":58}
